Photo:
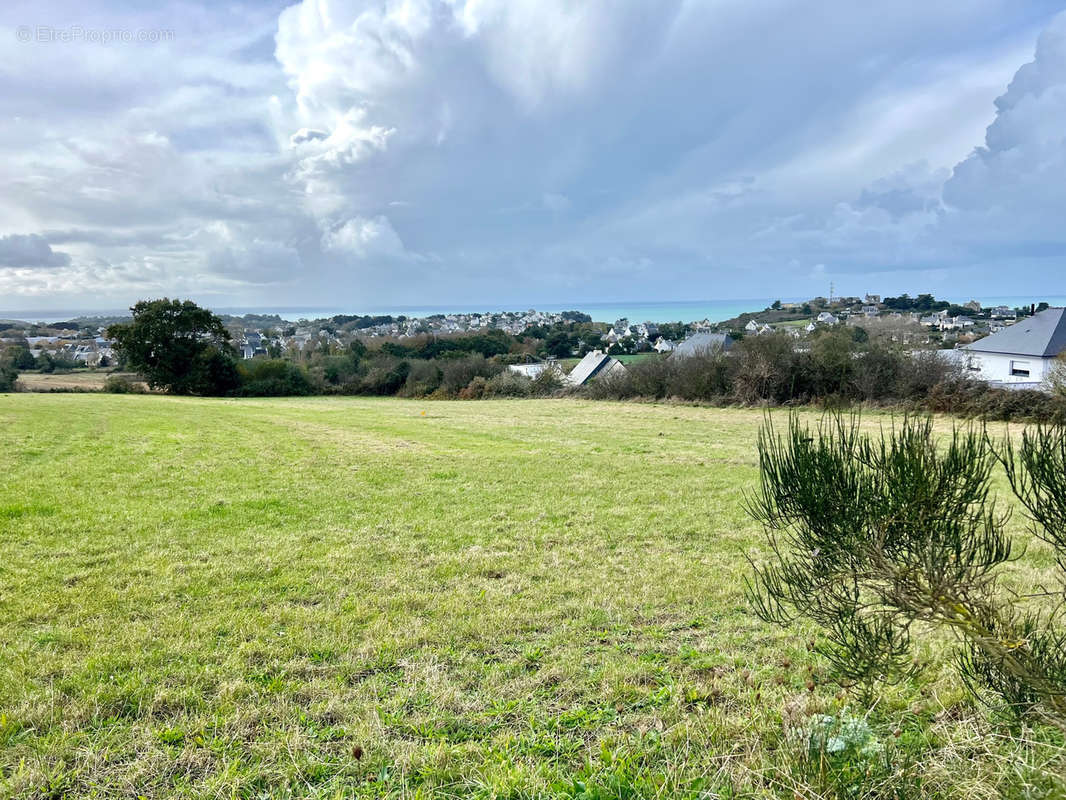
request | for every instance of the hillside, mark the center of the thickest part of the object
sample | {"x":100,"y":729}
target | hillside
{"x":373,"y":597}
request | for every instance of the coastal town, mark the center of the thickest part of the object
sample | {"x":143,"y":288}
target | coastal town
{"x":921,"y":322}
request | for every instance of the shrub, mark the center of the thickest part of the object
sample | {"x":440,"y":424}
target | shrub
{"x":338,"y":369}
{"x":548,"y":382}
{"x":974,"y":399}
{"x":53,"y":362}
{"x":423,"y":378}
{"x":385,"y":378}
{"x":767,"y":369}
{"x":457,"y":373}
{"x":475,"y":390}
{"x":832,"y":363}
{"x":120,"y":384}
{"x":919,"y":373}
{"x":8,"y":376}
{"x":653,"y":378}
{"x":704,"y":376}
{"x":272,"y":378}
{"x":874,"y":538}
{"x":508,"y":384}
{"x":615,"y":386}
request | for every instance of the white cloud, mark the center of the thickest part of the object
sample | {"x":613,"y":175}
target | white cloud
{"x":1017,"y":180}
{"x":363,"y":238}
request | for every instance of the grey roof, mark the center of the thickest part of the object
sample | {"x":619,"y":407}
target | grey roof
{"x":702,"y":342}
{"x":590,"y":366}
{"x":1042,"y":335}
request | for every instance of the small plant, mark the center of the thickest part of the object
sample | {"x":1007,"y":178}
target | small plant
{"x":841,"y":737}
{"x":876,"y":538}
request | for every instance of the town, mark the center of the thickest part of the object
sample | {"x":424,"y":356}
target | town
{"x":922,"y":322}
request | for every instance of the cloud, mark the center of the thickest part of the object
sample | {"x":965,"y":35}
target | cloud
{"x":1017,"y":179}
{"x":17,"y":250}
{"x":362,"y":238}
{"x":258,"y":261}
{"x":915,"y":189}
{"x":305,"y":135}
{"x":530,"y":151}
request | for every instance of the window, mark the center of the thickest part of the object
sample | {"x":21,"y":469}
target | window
{"x":1019,"y":368}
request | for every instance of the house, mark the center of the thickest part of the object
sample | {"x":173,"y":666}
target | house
{"x":956,"y":323}
{"x":533,"y":370}
{"x":872,"y":299}
{"x":663,"y":345}
{"x":973,"y":306}
{"x":752,"y":326}
{"x":871,"y":311}
{"x":1022,"y":354}
{"x":594,"y":365}
{"x":827,"y":319}
{"x":703,"y":343}
{"x":1004,"y":312}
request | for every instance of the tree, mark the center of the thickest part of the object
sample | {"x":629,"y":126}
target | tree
{"x":560,"y":343}
{"x":878,"y":538}
{"x":23,"y":359}
{"x":178,"y":347}
{"x":1056,"y":377}
{"x":8,"y":372}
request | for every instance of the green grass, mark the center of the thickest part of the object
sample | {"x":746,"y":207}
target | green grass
{"x":636,"y":358}
{"x":358,"y":597}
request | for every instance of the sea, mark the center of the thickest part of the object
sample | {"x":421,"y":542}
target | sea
{"x":636,"y":311}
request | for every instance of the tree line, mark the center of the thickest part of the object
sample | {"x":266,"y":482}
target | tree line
{"x":181,"y":348}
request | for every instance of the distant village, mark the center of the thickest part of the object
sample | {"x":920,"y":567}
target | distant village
{"x":920,"y":323}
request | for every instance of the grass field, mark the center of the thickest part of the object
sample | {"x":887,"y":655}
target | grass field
{"x":79,"y":380}
{"x":355,"y":597}
{"x":636,"y":358}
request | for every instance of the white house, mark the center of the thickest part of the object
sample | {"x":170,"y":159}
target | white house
{"x":956,"y":323}
{"x":827,"y":319}
{"x":1022,"y":354}
{"x":533,"y":370}
{"x":752,"y":326}
{"x":663,"y":345}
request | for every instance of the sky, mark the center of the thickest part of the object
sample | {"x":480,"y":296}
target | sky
{"x":499,"y":153}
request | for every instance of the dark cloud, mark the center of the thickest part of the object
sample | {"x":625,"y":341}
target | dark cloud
{"x":31,"y":250}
